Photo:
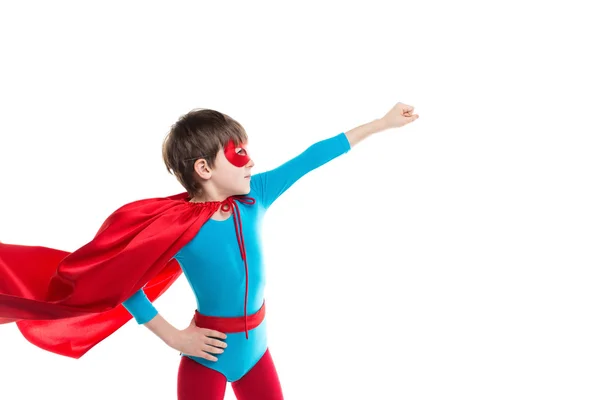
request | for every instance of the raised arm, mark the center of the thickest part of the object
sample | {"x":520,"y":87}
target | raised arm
{"x":400,"y":115}
{"x":269,"y":185}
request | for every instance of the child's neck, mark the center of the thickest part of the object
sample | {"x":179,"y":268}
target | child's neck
{"x":218,"y":215}
{"x":206,"y":198}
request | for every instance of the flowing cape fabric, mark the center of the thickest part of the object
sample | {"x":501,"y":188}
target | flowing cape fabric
{"x":67,"y":303}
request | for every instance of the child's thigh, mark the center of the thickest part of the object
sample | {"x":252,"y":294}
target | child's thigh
{"x":260,"y":383}
{"x":197,"y":382}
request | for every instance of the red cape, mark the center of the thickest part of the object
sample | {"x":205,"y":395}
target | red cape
{"x":67,"y":303}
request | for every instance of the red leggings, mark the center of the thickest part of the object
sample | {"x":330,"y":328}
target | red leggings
{"x":197,"y":382}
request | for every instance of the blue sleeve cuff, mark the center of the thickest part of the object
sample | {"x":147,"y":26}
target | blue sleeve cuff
{"x":344,"y":142}
{"x":140,"y":307}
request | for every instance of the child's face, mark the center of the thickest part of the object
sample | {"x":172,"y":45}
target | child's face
{"x":232,"y":170}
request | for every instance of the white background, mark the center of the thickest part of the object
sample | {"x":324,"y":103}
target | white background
{"x":454,"y":258}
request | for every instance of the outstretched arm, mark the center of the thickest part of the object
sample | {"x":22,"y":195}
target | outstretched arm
{"x":399,"y":115}
{"x":268,"y":186}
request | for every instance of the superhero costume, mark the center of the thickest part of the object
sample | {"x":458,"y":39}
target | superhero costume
{"x":68,"y":302}
{"x":212,"y":264}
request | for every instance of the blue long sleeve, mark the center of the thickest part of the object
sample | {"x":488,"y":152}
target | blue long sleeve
{"x":272,"y":184}
{"x":140,"y":307}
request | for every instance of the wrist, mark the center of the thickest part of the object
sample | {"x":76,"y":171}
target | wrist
{"x":172,"y":338}
{"x":379,"y":125}
{"x":164,"y":330}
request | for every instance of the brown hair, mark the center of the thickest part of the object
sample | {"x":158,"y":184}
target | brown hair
{"x":200,"y":133}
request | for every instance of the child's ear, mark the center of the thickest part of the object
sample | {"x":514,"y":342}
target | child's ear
{"x":202,"y":169}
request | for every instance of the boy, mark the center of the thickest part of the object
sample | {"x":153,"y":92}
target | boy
{"x":211,"y":234}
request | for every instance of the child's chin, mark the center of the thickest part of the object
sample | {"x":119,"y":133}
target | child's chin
{"x":245,"y":190}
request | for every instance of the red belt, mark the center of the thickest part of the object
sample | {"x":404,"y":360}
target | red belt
{"x":230,"y":324}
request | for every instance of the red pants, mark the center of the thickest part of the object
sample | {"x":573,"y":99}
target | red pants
{"x":197,"y":382}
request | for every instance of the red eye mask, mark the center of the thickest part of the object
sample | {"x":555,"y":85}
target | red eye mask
{"x":237,"y":155}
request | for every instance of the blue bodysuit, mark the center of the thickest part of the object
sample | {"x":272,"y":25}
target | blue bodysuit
{"x":212,"y":264}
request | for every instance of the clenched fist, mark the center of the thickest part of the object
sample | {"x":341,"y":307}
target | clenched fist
{"x":398,"y":116}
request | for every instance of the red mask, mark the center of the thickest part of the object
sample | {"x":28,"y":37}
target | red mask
{"x":237,"y":155}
